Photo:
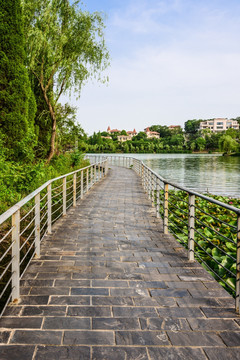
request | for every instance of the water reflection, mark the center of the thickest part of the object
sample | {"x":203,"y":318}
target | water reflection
{"x":204,"y":173}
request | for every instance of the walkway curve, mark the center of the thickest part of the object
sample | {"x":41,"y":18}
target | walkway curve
{"x":109,"y":285}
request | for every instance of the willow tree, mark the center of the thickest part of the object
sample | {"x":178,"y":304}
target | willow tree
{"x":17,"y":103}
{"x":66,"y":47}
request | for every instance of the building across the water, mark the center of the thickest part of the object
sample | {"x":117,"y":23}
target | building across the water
{"x":219,"y":124}
{"x":151,"y":134}
{"x":174,"y":127}
{"x":122,"y":138}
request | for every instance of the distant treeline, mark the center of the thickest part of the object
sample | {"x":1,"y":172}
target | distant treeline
{"x":176,"y":140}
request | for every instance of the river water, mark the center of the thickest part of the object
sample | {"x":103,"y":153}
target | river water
{"x":204,"y":173}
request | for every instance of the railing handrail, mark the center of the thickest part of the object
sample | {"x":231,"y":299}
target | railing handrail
{"x":21,"y":203}
{"x":25,"y":228}
{"x":192,"y":192}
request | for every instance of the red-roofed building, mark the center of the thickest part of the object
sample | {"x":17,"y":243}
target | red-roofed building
{"x":113,"y":131}
{"x":132,"y":133}
{"x":122,"y":138}
{"x":151,"y":134}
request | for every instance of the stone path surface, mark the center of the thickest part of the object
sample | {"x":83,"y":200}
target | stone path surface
{"x":111,"y":286}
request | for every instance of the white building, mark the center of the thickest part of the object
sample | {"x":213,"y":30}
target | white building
{"x":219,"y":124}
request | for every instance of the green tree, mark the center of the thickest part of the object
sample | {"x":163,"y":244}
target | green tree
{"x":43,"y":122}
{"x":123,"y":132}
{"x":164,"y":131}
{"x":105,"y":133}
{"x":192,"y":126}
{"x":228,"y":144}
{"x":177,"y":139}
{"x":66,"y":47}
{"x":17,"y":103}
{"x":140,"y":136}
{"x":200,"y":143}
{"x":232,"y":132}
{"x":69,"y":132}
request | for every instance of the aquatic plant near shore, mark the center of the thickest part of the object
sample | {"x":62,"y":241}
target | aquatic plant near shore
{"x":215,"y":234}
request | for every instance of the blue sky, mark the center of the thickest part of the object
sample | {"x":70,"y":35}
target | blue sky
{"x":171,"y":60}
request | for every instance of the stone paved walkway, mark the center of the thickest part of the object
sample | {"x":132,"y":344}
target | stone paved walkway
{"x":109,"y":285}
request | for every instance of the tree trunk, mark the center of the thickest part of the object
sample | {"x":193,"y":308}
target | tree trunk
{"x":53,"y":135}
{"x":54,"y":125}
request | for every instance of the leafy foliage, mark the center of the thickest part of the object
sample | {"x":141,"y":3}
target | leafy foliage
{"x":215,"y":234}
{"x":17,"y":179}
{"x":17,"y":102}
{"x":65,"y":48}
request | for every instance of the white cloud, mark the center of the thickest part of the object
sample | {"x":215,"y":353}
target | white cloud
{"x":143,"y":17}
{"x":168,"y":71}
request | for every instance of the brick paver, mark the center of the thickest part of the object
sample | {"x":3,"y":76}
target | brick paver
{"x":111,"y":286}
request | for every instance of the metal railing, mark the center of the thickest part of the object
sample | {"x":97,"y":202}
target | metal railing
{"x":24,"y":225}
{"x":208,"y":228}
{"x":117,"y":160}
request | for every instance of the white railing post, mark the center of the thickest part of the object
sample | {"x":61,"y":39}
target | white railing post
{"x":91,"y":177}
{"x":153,"y":188}
{"x":37,"y":225}
{"x":64,"y":196}
{"x":149,"y":184}
{"x":16,"y":256}
{"x":98,"y":171}
{"x":158,"y":199}
{"x":49,"y":197}
{"x":75,"y":190}
{"x":238,"y":267}
{"x":95,"y":173}
{"x":81,"y":184}
{"x":144,"y":179}
{"x":191,"y":226}
{"x":87,"y":179}
{"x":165,"y":219}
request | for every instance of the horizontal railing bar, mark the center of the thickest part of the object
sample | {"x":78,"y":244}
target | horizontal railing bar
{"x":212,"y":270}
{"x":6,"y":269}
{"x":192,"y":192}
{"x":43,"y":207}
{"x":57,"y":194}
{"x":27,"y":265}
{"x":216,"y":231}
{"x":56,"y":210}
{"x":6,"y":235}
{"x":9,"y":248}
{"x":214,"y":245}
{"x":58,"y":217}
{"x":5,"y":287}
{"x":29,"y":236}
{"x":215,"y":218}
{"x":26,"y":227}
{"x":29,"y":197}
{"x":29,"y":212}
{"x":43,"y":216}
{"x":57,"y":187}
{"x":6,"y":304}
{"x":41,"y":199}
{"x":30,"y":248}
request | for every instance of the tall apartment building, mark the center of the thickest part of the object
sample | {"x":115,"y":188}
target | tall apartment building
{"x":219,"y":124}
